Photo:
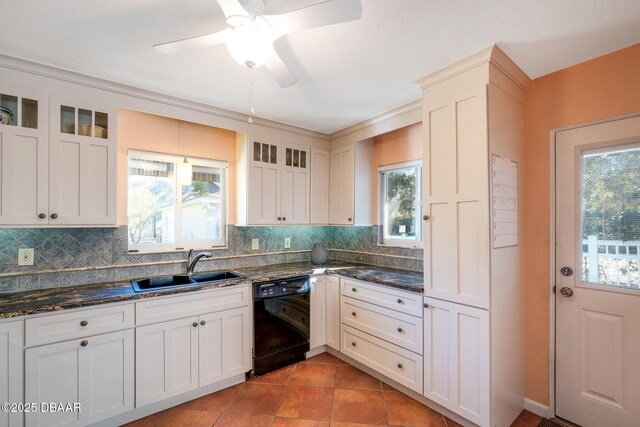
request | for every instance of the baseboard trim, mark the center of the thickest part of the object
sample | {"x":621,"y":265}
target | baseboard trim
{"x":536,"y":408}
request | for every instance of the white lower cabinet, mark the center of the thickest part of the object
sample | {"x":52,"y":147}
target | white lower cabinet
{"x":318,"y":311}
{"x":177,"y":356}
{"x":390,"y":360}
{"x":11,"y":371}
{"x":166,"y":359}
{"x":96,"y":372}
{"x":332,"y":312}
{"x":456,"y":358}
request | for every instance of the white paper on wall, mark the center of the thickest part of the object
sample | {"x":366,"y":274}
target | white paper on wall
{"x":504,"y":206}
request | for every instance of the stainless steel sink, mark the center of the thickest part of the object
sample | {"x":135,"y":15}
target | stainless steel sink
{"x":175,"y":281}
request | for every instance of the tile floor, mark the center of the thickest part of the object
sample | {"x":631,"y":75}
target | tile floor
{"x":321,"y":391}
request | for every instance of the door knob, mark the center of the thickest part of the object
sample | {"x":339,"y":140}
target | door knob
{"x":566,"y":271}
{"x":567,"y":292}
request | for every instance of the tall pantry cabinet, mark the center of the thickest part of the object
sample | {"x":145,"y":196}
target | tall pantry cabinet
{"x":473,"y":303}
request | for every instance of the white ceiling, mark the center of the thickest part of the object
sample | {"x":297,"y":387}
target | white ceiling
{"x":346,"y":72}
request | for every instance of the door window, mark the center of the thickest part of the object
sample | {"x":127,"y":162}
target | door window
{"x":611,"y":216}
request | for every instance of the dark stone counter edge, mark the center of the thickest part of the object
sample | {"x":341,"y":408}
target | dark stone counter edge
{"x":19,"y":304}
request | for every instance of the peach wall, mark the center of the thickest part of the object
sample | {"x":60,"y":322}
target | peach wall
{"x":398,"y":146}
{"x":603,"y":87}
{"x":147,"y":132}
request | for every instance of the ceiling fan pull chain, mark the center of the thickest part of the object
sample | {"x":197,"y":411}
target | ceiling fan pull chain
{"x":250,"y":121}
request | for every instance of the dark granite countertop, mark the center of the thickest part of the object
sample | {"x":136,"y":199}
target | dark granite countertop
{"x":16,"y":304}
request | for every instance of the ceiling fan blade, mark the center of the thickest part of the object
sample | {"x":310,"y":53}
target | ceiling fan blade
{"x":232,"y":8}
{"x":326,"y":12}
{"x":280,"y":71}
{"x":183,"y":45}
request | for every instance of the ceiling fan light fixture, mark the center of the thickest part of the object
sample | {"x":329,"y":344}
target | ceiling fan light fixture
{"x":249,"y":40}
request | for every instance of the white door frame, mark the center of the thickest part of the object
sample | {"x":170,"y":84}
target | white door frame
{"x":552,"y":248}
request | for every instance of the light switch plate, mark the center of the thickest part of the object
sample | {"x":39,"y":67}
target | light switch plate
{"x":287,"y":242}
{"x":25,"y":256}
{"x":255,"y":244}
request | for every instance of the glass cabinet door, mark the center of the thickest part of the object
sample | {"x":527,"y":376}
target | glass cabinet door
{"x":83,"y":122}
{"x":18,"y":111}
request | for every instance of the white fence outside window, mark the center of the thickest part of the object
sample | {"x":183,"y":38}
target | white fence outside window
{"x":611,"y":262}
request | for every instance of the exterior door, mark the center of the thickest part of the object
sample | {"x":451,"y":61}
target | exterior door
{"x":596,"y":276}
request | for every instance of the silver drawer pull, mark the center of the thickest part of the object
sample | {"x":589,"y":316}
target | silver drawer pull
{"x":400,"y":330}
{"x":84,"y":323}
{"x":84,"y":343}
{"x":354,"y":289}
{"x":353,"y":313}
{"x":353,"y":343}
{"x":400,"y":301}
{"x":400,"y":365}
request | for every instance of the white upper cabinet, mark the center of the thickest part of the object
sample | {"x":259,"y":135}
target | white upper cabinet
{"x":24,"y":156}
{"x":456,"y":189}
{"x":350,"y":175}
{"x":57,"y":160}
{"x":277,"y":184}
{"x":319,"y":187}
{"x":83,"y":163}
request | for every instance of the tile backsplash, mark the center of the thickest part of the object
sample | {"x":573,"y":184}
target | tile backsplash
{"x":76,"y":256}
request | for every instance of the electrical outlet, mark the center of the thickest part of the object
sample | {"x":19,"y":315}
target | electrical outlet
{"x":255,"y":244}
{"x":287,"y":242}
{"x":25,"y":256}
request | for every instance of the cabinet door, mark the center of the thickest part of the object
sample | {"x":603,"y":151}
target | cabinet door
{"x":319,"y":213}
{"x":456,"y":198}
{"x":341,"y":186}
{"x":263,"y":196}
{"x":224,"y":344}
{"x":456,"y":358}
{"x":96,"y":372}
{"x":52,"y":374}
{"x":166,"y":360}
{"x":11,"y":370}
{"x":318,"y":311}
{"x":82,"y":188}
{"x":294,"y":203}
{"x":106,"y":376}
{"x":332,"y":333}
{"x":24,"y":157}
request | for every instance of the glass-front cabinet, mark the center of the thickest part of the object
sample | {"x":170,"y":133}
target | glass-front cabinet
{"x":24,"y":152}
{"x":278,"y":190}
{"x":57,"y":160}
{"x":83,"y":157}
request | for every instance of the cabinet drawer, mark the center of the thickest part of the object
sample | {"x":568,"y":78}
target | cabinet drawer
{"x":390,"y":360}
{"x":77,"y":323}
{"x":196,"y":303}
{"x":406,"y":302}
{"x":395,"y":327}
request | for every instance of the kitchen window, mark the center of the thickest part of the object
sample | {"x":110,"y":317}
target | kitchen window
{"x":166,"y":212}
{"x":400,"y":204}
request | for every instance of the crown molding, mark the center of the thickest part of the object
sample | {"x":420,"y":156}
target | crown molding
{"x":73,"y":77}
{"x":371,"y":122}
{"x":492,"y":54}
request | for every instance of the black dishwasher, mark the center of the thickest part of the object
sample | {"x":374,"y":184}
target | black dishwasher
{"x":280,"y":323}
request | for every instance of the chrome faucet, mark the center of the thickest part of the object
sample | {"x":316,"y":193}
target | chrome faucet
{"x":191,"y":263}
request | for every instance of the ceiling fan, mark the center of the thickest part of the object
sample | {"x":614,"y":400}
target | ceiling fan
{"x":249,"y":35}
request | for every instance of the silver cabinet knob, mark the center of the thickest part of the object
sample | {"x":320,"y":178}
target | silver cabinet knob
{"x":567,"y":292}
